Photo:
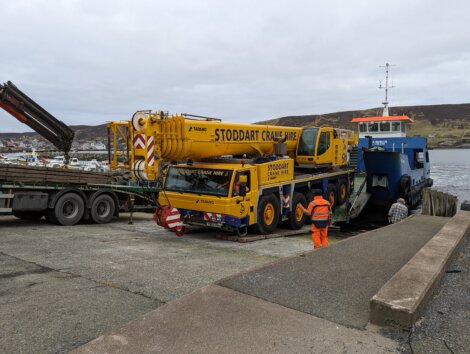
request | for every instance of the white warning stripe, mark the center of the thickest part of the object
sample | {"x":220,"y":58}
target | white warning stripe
{"x":139,"y":141}
{"x":285,"y":201}
{"x":175,"y":224}
{"x":212,"y":216}
{"x":173,"y":217}
{"x":150,"y":151}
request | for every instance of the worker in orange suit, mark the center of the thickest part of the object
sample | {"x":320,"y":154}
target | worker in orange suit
{"x":319,"y":210}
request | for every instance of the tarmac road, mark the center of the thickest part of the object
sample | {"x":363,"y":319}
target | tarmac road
{"x":60,"y":286}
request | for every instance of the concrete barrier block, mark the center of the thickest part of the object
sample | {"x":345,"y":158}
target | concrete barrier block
{"x":401,"y":300}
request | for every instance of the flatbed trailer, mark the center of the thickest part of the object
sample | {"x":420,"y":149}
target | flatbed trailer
{"x":66,"y":196}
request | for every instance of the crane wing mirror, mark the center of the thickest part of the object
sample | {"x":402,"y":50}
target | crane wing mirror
{"x":243,"y":179}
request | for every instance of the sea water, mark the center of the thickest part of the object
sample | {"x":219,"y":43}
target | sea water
{"x":450,"y":170}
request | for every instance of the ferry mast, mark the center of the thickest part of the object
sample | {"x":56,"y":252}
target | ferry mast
{"x":386,"y":87}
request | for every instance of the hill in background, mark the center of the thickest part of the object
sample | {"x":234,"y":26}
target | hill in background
{"x":444,"y":125}
{"x":82,"y":132}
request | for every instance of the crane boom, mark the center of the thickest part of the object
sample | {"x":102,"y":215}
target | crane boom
{"x":153,"y":138}
{"x":28,"y":112}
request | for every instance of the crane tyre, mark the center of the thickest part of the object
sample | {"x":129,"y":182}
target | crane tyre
{"x":296,"y":219}
{"x":69,"y":209}
{"x":342,"y":191}
{"x":332,"y":195}
{"x":268,"y":214}
{"x":102,"y":209}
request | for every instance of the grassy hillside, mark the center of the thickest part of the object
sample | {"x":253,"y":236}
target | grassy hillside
{"x":82,"y":132}
{"x":444,"y":125}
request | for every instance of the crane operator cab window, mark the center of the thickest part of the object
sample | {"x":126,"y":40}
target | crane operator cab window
{"x":239,"y":186}
{"x":307,"y":142}
{"x":323,"y":143}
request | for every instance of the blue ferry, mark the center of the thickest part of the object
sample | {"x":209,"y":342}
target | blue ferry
{"x":395,"y":165}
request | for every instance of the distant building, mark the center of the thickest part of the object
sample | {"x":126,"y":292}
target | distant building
{"x":85,"y":146}
{"x":9,"y":143}
{"x":98,"y":146}
{"x":26,"y":144}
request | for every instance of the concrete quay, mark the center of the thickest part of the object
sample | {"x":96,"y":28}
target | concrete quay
{"x":402,"y":299}
{"x":314,"y":302}
{"x":134,"y":288}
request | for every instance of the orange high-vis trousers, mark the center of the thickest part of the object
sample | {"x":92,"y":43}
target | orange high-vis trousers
{"x":319,"y":237}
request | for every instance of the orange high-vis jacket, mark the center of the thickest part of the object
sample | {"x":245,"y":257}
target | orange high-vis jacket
{"x":320,"y":209}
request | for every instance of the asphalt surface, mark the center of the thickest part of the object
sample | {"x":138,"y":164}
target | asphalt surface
{"x":337,"y":282}
{"x":218,"y":320}
{"x":60,"y":287}
{"x":46,"y":311}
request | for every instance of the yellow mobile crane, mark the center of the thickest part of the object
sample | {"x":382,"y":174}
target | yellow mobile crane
{"x":231,"y":175}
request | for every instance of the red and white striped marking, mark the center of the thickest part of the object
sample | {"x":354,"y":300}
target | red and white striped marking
{"x":173,"y":220}
{"x":213,"y":217}
{"x":139,"y":141}
{"x":285,"y":201}
{"x":150,"y":151}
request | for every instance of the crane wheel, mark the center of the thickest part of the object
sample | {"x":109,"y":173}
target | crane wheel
{"x":102,"y":209}
{"x":342,"y":191}
{"x":268,"y":214}
{"x":297,"y":218}
{"x":331,"y":195}
{"x":69,"y":209}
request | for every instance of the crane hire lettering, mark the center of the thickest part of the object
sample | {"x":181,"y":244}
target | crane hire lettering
{"x":276,"y":170}
{"x":252,"y":135}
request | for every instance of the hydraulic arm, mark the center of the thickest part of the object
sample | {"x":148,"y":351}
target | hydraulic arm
{"x":28,"y":112}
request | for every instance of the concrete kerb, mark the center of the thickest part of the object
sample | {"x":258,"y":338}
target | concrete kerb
{"x":401,"y":300}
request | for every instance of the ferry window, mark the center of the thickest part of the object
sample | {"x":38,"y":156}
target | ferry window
{"x":385,"y":126}
{"x":403,"y":126}
{"x":323,"y":143}
{"x":418,"y":158}
{"x":395,"y":126}
{"x":307,"y":142}
{"x":373,"y":127}
{"x":363,"y":127}
{"x":427,"y":156}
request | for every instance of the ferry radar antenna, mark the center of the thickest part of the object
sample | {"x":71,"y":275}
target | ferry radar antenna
{"x":386,"y":87}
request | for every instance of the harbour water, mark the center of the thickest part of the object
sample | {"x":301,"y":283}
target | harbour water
{"x":450,"y":170}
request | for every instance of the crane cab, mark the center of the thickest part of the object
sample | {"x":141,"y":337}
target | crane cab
{"x":324,"y":147}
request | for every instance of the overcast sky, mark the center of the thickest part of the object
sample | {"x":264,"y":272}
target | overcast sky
{"x":88,"y":62}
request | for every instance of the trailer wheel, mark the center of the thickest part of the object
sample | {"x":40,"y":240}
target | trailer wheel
{"x":331,"y":195}
{"x":268,"y":214}
{"x":29,"y":215}
{"x":102,"y":209}
{"x":296,"y":217}
{"x":69,"y":209}
{"x":342,"y":191}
